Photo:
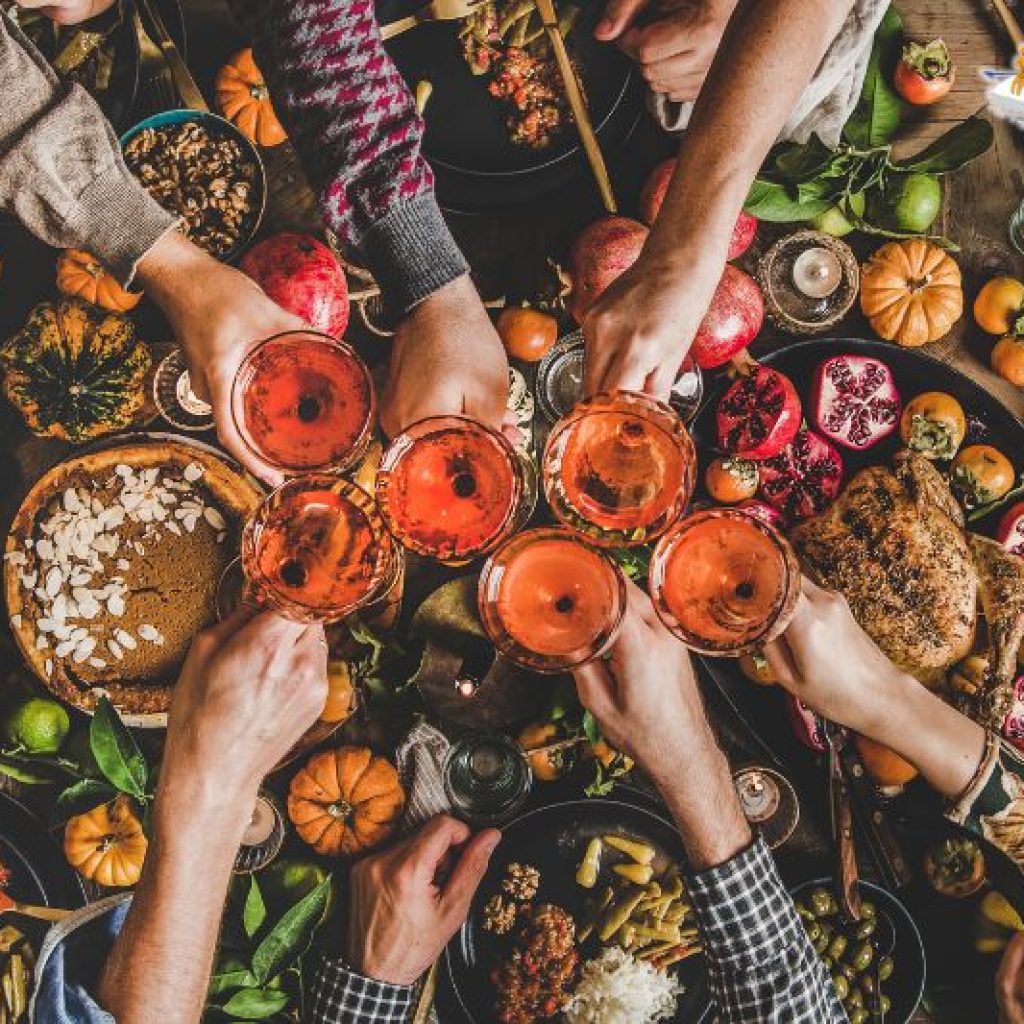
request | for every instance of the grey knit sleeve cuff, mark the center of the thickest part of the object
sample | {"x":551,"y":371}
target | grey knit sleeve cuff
{"x":412,"y":254}
{"x":119,"y":242}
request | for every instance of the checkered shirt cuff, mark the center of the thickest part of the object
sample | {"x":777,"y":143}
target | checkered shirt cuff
{"x":341,"y":996}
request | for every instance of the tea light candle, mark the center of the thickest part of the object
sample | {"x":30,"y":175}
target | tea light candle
{"x":261,"y":824}
{"x":759,"y":796}
{"x":466,"y":687}
{"x":817,"y":272}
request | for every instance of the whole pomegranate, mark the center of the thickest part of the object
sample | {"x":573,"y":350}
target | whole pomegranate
{"x":653,"y":195}
{"x":759,"y":415}
{"x":732,"y":321}
{"x":855,"y":401}
{"x":604,"y":250}
{"x":804,"y":478}
{"x":303,"y":276}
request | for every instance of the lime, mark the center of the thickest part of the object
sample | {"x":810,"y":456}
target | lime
{"x":37,"y":726}
{"x":834,"y":220}
{"x":913,"y":201}
{"x":284,"y":882}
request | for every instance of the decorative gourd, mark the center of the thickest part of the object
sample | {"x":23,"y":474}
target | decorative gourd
{"x":75,"y":372}
{"x":82,"y":275}
{"x":911,"y":292}
{"x":107,"y":845}
{"x":345,"y":801}
{"x":243,"y":98}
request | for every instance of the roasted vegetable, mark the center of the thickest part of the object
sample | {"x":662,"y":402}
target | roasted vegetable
{"x":642,"y":853}
{"x":586,"y":873}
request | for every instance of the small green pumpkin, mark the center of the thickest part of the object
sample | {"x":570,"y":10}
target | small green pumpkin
{"x":75,"y":371}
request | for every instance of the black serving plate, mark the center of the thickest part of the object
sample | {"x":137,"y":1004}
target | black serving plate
{"x":553,"y":839}
{"x":906,"y":986}
{"x":466,"y":138}
{"x":39,"y":873}
{"x":762,"y":708}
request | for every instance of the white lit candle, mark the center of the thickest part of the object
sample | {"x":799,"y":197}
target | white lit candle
{"x":817,"y":272}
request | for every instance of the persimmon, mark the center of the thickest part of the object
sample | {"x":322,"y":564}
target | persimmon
{"x":527,"y":334}
{"x":981,"y":473}
{"x":999,"y":307}
{"x":730,"y":480}
{"x":547,"y":765}
{"x":885,"y":766}
{"x":1008,"y":359}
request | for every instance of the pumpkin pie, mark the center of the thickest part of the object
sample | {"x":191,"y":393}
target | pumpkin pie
{"x":112,"y":566}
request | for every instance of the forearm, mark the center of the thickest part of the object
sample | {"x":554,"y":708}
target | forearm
{"x":61,"y":172}
{"x":353,"y":121}
{"x":769,"y":53}
{"x":159,"y":968}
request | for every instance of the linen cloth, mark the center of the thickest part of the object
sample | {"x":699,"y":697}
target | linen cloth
{"x":831,"y":95}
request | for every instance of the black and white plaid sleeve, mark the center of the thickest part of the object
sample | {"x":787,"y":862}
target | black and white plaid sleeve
{"x":341,"y":996}
{"x":761,"y":967}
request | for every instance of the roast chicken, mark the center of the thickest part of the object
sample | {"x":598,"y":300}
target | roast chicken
{"x":895,"y":545}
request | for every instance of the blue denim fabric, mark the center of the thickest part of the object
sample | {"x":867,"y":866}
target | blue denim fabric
{"x":70,"y":962}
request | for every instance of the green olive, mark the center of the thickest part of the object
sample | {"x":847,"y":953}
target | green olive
{"x":859,"y":1016}
{"x":837,"y":947}
{"x":841,"y":985}
{"x":820,"y":944}
{"x":855,"y":999}
{"x":851,"y":974}
{"x":885,"y":1004}
{"x":885,"y":968}
{"x":813,"y":930}
{"x":862,"y":956}
{"x":867,"y":985}
{"x":802,"y":910}
{"x":828,"y":962}
{"x":822,"y":903}
{"x":866,"y":928}
{"x":868,"y":910}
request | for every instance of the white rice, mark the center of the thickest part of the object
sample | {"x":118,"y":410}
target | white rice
{"x":616,"y":988}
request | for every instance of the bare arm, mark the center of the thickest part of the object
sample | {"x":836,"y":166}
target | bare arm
{"x":247,"y":692}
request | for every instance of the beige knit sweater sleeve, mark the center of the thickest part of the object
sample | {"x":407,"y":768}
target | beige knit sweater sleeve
{"x":61,"y":172}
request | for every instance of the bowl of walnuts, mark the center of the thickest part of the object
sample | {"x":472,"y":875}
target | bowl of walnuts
{"x":201,"y":168}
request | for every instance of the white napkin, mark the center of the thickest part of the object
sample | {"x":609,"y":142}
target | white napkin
{"x":828,"y":100}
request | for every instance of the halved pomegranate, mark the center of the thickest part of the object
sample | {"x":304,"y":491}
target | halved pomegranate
{"x":1011,"y":529}
{"x":804,"y":478}
{"x":855,"y":401}
{"x":763,"y":511}
{"x":732,"y":321}
{"x":759,"y":415}
{"x":807,"y":725}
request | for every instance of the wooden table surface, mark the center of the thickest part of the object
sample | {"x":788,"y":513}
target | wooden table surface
{"x":509,"y":256}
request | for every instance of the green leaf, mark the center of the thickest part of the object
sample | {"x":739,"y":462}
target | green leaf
{"x":83,"y":796}
{"x":602,"y":785}
{"x":255,"y":910}
{"x":229,"y":981}
{"x":772,"y":202}
{"x":798,"y":163}
{"x":291,"y":935}
{"x":22,"y":770}
{"x":116,"y":752}
{"x":877,"y":115}
{"x":951,"y":151}
{"x":590,"y":728}
{"x":256,"y":1003}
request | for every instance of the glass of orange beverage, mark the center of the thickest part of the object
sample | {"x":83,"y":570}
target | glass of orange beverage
{"x":451,"y":488}
{"x":619,"y":469}
{"x":317,"y":551}
{"x":549,"y":601}
{"x":724,"y":581}
{"x":304,"y":401}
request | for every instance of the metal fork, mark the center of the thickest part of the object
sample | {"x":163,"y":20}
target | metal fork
{"x":436,"y":10}
{"x":154,"y":72}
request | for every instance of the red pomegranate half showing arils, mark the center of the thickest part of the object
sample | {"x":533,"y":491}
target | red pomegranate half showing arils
{"x":1011,"y":529}
{"x":759,"y":415}
{"x":653,"y":196}
{"x":804,"y":478}
{"x":763,"y":511}
{"x":855,"y":402}
{"x":303,"y":276}
{"x":605,"y":249}
{"x":732,"y":321}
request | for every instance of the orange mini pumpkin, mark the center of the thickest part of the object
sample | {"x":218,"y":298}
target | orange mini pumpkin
{"x":82,"y":275}
{"x":243,"y":98}
{"x":345,"y":801}
{"x":911,"y":292}
{"x":107,"y":844}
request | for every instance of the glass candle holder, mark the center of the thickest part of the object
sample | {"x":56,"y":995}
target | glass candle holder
{"x":724,"y":581}
{"x":304,"y":401}
{"x":769,"y":803}
{"x":550,"y":602}
{"x":487,"y":779}
{"x":810,"y":280}
{"x":316,"y":550}
{"x":263,"y":837}
{"x":174,"y":397}
{"x":619,"y":469}
{"x":452,"y":489}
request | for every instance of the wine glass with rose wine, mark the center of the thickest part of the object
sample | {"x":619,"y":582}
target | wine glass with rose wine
{"x":619,"y":469}
{"x":303,"y":401}
{"x":452,"y":489}
{"x":724,"y":581}
{"x":549,"y":601}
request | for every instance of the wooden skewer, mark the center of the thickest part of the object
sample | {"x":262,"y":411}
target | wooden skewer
{"x":1009,"y":20}
{"x":426,"y":999}
{"x":579,"y":107}
{"x":10,"y":906}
